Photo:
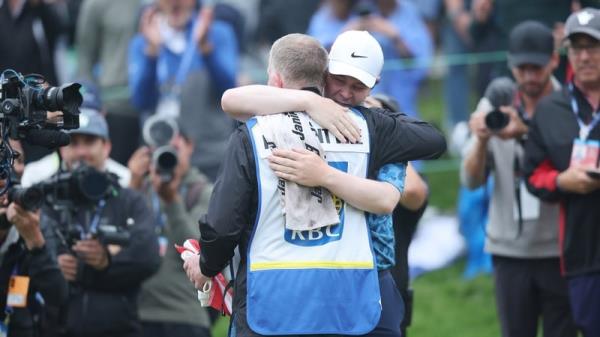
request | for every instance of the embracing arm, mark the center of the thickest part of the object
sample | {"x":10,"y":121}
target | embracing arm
{"x":242,"y":103}
{"x":368,"y":195}
{"x":306,"y":168}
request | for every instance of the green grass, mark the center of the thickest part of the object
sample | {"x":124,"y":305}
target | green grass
{"x":221,"y":327}
{"x":447,"y":305}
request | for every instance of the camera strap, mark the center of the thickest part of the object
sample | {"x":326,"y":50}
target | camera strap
{"x":96,"y":219}
{"x":584,"y":130}
{"x":517,"y":182}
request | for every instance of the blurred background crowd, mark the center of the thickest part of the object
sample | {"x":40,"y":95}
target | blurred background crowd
{"x":136,"y":53}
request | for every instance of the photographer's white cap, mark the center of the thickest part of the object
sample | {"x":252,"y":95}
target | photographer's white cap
{"x":356,"y":54}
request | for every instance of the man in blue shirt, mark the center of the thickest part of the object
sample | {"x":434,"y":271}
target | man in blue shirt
{"x":170,"y":46}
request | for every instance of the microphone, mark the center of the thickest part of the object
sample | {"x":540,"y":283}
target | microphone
{"x":50,"y":139}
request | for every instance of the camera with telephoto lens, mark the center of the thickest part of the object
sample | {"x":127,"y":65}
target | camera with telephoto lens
{"x":69,"y":192}
{"x":496,"y":120}
{"x":24,"y":103}
{"x":158,"y":132}
{"x":500,"y":92}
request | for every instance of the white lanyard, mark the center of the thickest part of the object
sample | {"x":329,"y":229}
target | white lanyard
{"x":584,"y":130}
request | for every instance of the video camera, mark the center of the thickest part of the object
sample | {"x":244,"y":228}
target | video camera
{"x":158,"y":132}
{"x":68,"y":192}
{"x":24,"y":103}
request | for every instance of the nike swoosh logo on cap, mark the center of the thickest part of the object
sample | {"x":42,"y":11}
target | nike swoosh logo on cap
{"x":357,"y":56}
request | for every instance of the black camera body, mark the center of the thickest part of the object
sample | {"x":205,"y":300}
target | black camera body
{"x":78,"y":188}
{"x":69,"y":192}
{"x":24,"y":103}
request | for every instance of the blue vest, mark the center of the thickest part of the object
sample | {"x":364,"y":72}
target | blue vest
{"x":320,"y":281}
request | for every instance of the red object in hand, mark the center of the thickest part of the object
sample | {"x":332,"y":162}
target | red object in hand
{"x":219,"y":298}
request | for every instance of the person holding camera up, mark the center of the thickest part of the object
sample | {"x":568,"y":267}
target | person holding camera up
{"x":103,"y":236}
{"x":561,"y":164}
{"x":178,"y":195}
{"x":30,"y":279}
{"x":521,"y":232}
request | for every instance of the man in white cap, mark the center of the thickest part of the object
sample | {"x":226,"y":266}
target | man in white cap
{"x":353,"y":72}
{"x":561,"y":164}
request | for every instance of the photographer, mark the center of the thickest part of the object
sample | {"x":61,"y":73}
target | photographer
{"x":177,"y":196}
{"x":104,"y":277}
{"x":521,"y":233}
{"x":24,"y":258}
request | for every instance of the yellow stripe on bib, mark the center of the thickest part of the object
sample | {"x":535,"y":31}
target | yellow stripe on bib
{"x":311,"y":264}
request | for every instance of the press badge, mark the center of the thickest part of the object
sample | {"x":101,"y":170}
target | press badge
{"x":17,"y":291}
{"x":163,"y":243}
{"x":585,"y":154}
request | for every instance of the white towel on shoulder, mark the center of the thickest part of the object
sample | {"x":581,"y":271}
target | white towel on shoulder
{"x":305,"y":208}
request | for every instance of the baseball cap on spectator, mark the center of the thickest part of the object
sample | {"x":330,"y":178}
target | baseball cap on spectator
{"x":91,"y":120}
{"x":530,"y":42}
{"x":356,"y":54}
{"x":586,"y":21}
{"x":92,"y":123}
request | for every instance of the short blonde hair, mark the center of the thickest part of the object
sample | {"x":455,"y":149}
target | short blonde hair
{"x":299,"y":59}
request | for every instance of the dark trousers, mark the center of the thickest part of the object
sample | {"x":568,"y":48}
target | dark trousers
{"x":166,"y":329}
{"x":392,"y":308}
{"x":530,"y":289}
{"x":584,"y":292}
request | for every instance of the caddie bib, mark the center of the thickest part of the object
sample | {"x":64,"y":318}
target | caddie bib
{"x":320,"y":281}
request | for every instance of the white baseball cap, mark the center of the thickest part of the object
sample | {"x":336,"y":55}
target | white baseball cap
{"x":356,"y":54}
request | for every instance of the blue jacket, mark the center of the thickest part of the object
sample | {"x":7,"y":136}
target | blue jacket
{"x":145,"y":77}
